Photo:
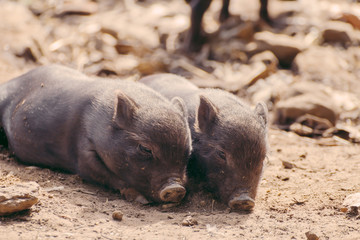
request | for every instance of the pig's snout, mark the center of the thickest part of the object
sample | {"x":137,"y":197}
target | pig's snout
{"x":172,"y":192}
{"x":242,"y":202}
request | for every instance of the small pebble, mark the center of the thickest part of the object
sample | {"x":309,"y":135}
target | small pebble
{"x":354,"y":211}
{"x":311,"y":236}
{"x":19,"y":197}
{"x":189,"y":221}
{"x":117,"y":215}
{"x":352,"y":203}
{"x":344,"y":209}
{"x":288,"y":165}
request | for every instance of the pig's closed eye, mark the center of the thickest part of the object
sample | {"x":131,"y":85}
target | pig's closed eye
{"x":221,"y":154}
{"x":144,"y":149}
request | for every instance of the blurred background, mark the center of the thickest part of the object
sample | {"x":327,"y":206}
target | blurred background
{"x":305,"y":65}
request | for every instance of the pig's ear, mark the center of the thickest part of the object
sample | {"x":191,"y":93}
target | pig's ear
{"x":180,"y":105}
{"x":125,"y":109}
{"x":207,"y":115}
{"x":262,"y":111}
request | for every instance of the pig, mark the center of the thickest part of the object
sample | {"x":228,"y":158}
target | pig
{"x":120,"y":134}
{"x":229,"y":139}
{"x":194,"y":38}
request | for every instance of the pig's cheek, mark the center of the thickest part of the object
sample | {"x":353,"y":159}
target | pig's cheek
{"x":217,"y":166}
{"x":217,"y":177}
{"x":220,"y":168}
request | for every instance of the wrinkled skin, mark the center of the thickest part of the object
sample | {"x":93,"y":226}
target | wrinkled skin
{"x":229,"y":139}
{"x":117,"y":133}
{"x":195,"y":36}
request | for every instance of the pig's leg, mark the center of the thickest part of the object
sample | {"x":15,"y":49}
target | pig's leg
{"x":224,"y":14}
{"x":90,"y":167}
{"x":195,"y":38}
{"x":264,"y":14}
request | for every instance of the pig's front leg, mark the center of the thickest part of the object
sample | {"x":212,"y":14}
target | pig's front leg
{"x":90,"y":167}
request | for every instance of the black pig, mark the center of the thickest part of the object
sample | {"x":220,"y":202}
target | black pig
{"x":229,"y":139}
{"x":117,"y":133}
{"x":194,"y":38}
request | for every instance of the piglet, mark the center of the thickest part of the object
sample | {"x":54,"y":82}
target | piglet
{"x":229,"y":139}
{"x":116,"y":133}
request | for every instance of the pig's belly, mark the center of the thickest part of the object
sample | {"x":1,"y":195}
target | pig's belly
{"x":40,"y":138}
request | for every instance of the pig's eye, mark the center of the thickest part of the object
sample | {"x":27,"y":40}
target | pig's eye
{"x":221,"y":155}
{"x":144,"y":149}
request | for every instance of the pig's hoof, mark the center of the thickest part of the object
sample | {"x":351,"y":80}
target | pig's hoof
{"x":242,"y":202}
{"x":141,"y":199}
{"x":172,"y":193}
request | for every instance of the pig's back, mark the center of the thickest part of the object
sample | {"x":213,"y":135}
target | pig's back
{"x":59,"y":85}
{"x":170,"y":86}
{"x":167,"y":81}
{"x":224,"y":100}
{"x":53,"y":103}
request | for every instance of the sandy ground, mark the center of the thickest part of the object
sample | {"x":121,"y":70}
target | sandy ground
{"x":290,"y":201}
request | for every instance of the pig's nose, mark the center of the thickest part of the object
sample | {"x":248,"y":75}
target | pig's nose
{"x":173,"y":192}
{"x":242,"y":202}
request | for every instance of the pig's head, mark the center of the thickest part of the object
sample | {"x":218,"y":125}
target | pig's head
{"x":230,"y":147}
{"x":150,"y":146}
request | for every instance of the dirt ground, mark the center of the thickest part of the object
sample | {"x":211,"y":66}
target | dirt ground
{"x":291,"y":201}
